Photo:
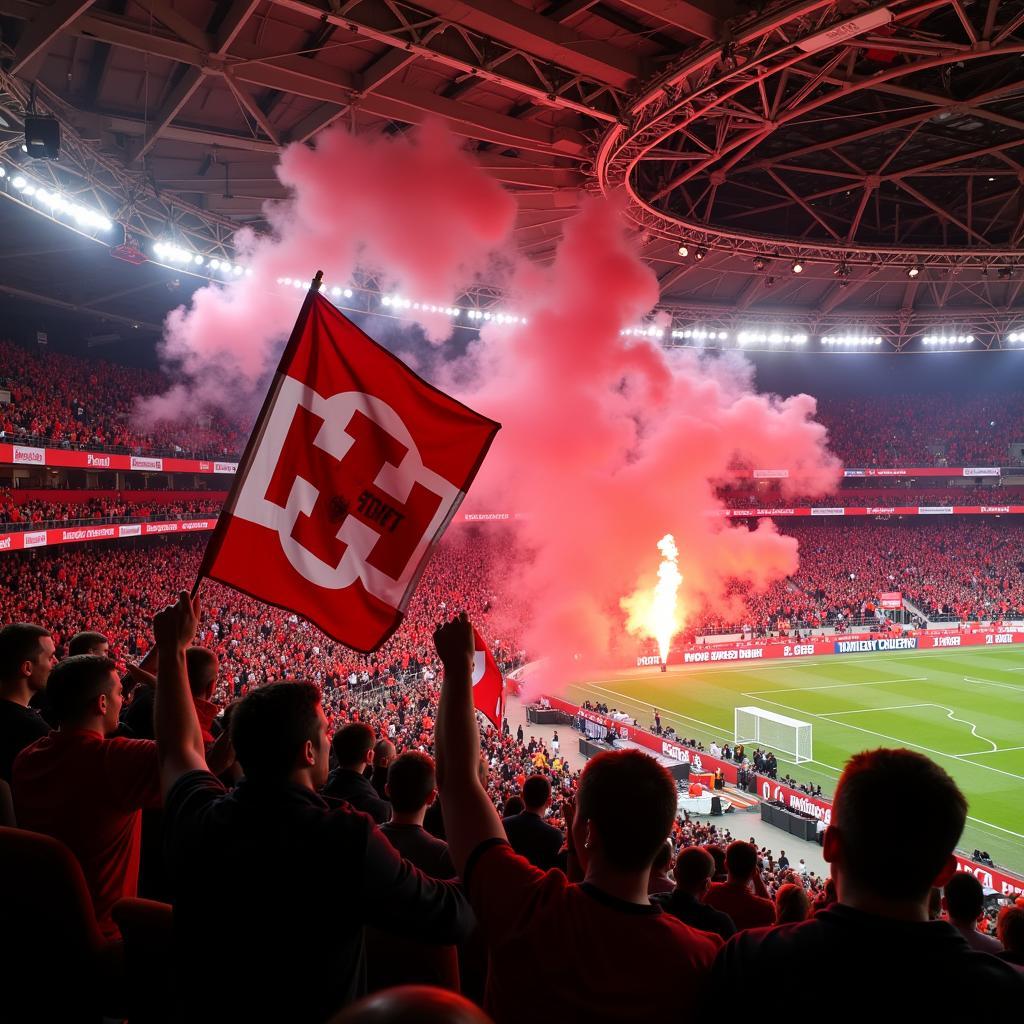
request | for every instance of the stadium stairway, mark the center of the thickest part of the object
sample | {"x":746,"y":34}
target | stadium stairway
{"x":740,"y":800}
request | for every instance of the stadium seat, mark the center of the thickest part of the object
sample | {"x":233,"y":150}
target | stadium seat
{"x":147,"y":930}
{"x":49,"y":922}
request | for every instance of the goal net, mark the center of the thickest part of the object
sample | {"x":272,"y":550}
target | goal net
{"x":774,"y":732}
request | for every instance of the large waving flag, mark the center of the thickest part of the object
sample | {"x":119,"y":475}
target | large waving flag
{"x":352,"y":473}
{"x":488,"y":682}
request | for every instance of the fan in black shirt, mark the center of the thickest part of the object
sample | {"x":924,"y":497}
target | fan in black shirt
{"x":693,"y":871}
{"x":528,"y":833}
{"x":26,"y":658}
{"x":353,"y":748}
{"x":412,"y":788}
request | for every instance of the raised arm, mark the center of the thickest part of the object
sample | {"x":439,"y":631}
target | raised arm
{"x":469,"y":816}
{"x":179,"y":739}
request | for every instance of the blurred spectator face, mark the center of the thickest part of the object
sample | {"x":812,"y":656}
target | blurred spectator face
{"x":42,"y":664}
{"x":323,"y":753}
{"x":114,"y":699}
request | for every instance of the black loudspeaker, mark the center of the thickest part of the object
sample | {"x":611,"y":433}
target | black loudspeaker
{"x":716,"y":805}
{"x":42,"y":137}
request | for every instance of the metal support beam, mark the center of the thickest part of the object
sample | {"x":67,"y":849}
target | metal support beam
{"x":179,"y":25}
{"x":329,"y":84}
{"x":179,"y":95}
{"x":250,"y":106}
{"x":237,"y":16}
{"x":518,"y":26}
{"x":43,"y":29}
{"x":704,"y":19}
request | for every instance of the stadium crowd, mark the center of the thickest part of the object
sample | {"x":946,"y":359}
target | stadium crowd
{"x":938,"y":429}
{"x":16,"y":514}
{"x":63,"y":400}
{"x":963,"y":569}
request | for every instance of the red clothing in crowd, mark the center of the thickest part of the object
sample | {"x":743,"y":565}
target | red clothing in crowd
{"x":88,"y":792}
{"x":566,"y":952}
{"x":745,"y":909}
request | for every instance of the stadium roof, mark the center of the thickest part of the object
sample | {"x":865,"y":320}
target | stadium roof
{"x":880,"y":147}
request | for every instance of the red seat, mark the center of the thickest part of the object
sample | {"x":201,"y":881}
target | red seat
{"x":147,"y":928}
{"x":57,"y":964}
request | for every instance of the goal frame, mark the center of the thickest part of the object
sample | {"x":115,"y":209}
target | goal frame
{"x":799,"y":751}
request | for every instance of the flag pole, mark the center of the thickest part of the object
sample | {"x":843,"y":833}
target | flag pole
{"x":250,"y":448}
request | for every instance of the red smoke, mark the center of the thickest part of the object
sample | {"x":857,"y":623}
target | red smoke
{"x":415,"y":208}
{"x":608,"y":442}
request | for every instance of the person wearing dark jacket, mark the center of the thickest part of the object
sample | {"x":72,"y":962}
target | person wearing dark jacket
{"x":528,"y":834}
{"x":353,"y":750}
{"x":693,"y":871}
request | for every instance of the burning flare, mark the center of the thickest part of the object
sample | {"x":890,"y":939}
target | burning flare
{"x":664,"y":619}
{"x":656,"y":612}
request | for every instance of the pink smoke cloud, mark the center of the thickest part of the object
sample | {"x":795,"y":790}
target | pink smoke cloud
{"x":415,"y":208}
{"x":609,"y":442}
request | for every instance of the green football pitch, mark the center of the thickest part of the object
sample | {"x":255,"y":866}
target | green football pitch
{"x":964,"y":709}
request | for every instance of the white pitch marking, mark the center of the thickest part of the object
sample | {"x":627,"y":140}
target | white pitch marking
{"x":842,"y":686}
{"x":942,"y":707}
{"x":990,"y":682}
{"x":894,"y":739}
{"x":865,"y":711}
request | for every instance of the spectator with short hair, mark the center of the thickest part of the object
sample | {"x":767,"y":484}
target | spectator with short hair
{"x":877,"y":938}
{"x":26,"y":659}
{"x":411,"y":789}
{"x":734,"y":897}
{"x":89,"y":642}
{"x":599,"y":950}
{"x":791,"y":904}
{"x":274,"y":885}
{"x":202,"y":666}
{"x":964,"y":900}
{"x":693,"y":870}
{"x":513,"y":805}
{"x":353,"y":748}
{"x":528,"y":833}
{"x":384,"y":752}
{"x":87,"y":788}
{"x":659,"y":880}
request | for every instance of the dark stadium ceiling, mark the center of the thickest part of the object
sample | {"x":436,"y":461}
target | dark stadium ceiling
{"x":867,"y":142}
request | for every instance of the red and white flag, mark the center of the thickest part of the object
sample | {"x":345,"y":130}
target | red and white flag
{"x":352,"y":473}
{"x":488,"y":682}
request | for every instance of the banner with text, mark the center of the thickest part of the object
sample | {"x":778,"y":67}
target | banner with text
{"x":80,"y":534}
{"x":63,"y":458}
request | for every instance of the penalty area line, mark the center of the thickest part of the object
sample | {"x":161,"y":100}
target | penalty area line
{"x":893,"y":739}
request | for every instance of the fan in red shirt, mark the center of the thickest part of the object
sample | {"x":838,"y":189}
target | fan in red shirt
{"x":86,"y":790}
{"x":616,"y":956}
{"x":733,"y":897}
